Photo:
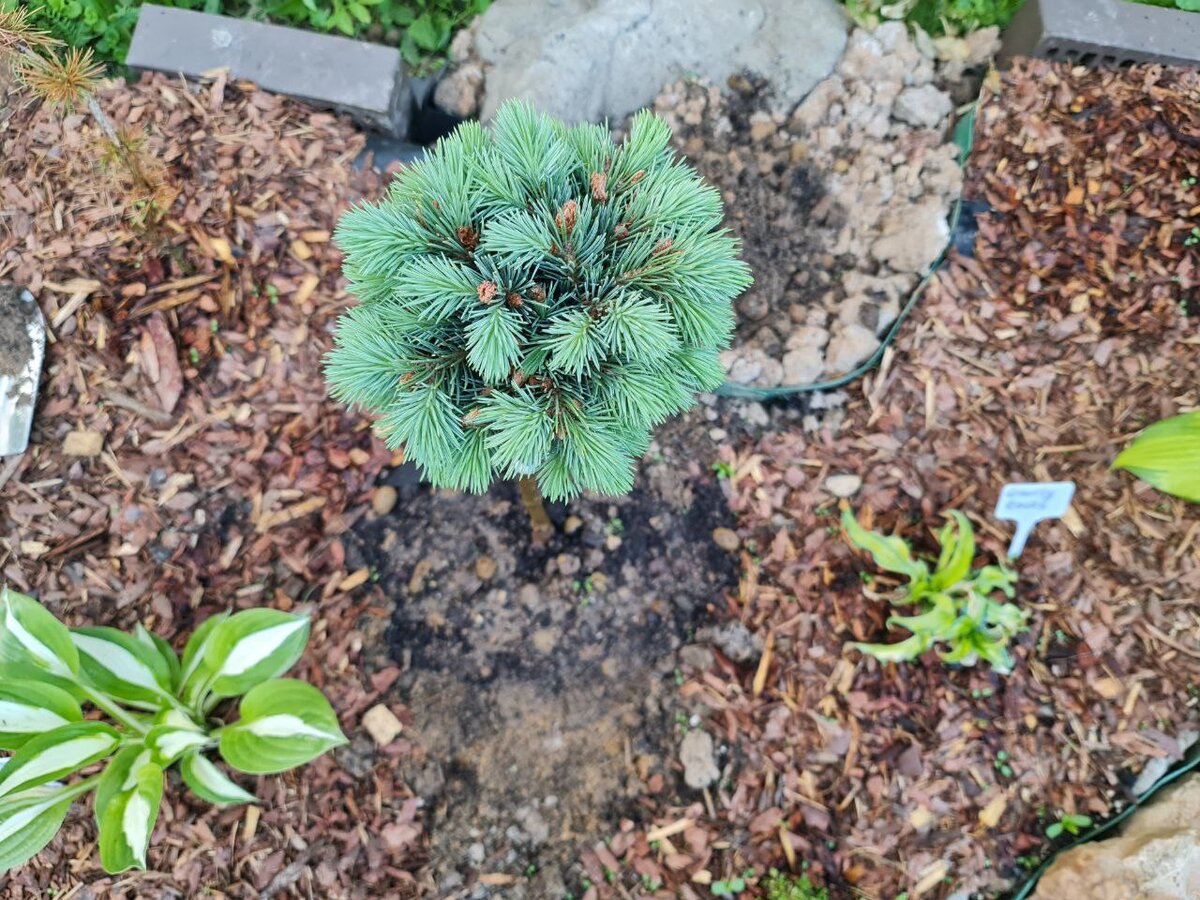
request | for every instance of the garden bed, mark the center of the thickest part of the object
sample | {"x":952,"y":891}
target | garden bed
{"x":186,"y":460}
{"x":1036,"y":361}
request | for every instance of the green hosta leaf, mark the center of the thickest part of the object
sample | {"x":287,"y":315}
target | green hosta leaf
{"x":192,"y":673}
{"x":1167,"y":455}
{"x":283,"y":724}
{"x":210,"y":783}
{"x":163,"y":649}
{"x":122,"y":666}
{"x":958,"y":552}
{"x":128,"y":818}
{"x":1007,"y":617}
{"x":31,"y":708}
{"x":995,"y":578}
{"x":994,"y":652}
{"x":33,"y":642}
{"x":251,"y":647}
{"x":28,"y":824}
{"x":889,"y":552}
{"x":56,"y":753}
{"x":932,"y":625}
{"x":904,"y":651}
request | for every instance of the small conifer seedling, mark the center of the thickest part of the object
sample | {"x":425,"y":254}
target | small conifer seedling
{"x":164,"y":710}
{"x":534,"y":301}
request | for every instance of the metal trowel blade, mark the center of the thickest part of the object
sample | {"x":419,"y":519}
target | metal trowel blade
{"x":18,"y":393}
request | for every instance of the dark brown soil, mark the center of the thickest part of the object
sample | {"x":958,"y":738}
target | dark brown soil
{"x":777,"y":206}
{"x":543,"y":692}
{"x":15,"y":315}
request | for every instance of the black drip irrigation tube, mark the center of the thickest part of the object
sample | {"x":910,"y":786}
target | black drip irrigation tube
{"x":964,"y":133}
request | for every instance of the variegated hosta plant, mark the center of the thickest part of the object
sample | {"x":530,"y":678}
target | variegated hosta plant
{"x":955,"y":603}
{"x":162,"y":711}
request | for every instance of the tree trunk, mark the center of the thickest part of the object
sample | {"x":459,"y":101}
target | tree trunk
{"x":531,"y":496}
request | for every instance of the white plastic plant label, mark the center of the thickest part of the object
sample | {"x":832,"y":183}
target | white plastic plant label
{"x":1028,"y":504}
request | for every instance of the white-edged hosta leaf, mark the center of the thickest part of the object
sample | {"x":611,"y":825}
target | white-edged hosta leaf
{"x":56,"y":753}
{"x":28,"y":824}
{"x":149,"y":639}
{"x":128,"y":816}
{"x":119,"y":775}
{"x":170,"y":743}
{"x":122,"y":666}
{"x":193,"y":673}
{"x":33,"y":642}
{"x":251,"y":647}
{"x":33,"y":708}
{"x":210,"y":783}
{"x":283,"y":724}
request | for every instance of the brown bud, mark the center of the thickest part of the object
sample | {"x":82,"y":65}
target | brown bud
{"x":514,"y":300}
{"x":471,"y":416}
{"x":518,"y":378}
{"x":662,"y":247}
{"x":407,"y":377}
{"x":487,"y":291}
{"x":621,"y":231}
{"x":567,"y":216}
{"x":599,"y":187}
{"x":468,"y":237}
{"x":538,"y":294}
{"x":555,"y":250}
{"x":637,"y":176}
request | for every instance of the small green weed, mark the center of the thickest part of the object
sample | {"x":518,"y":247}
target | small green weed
{"x":779,"y":886}
{"x":1069,"y":823}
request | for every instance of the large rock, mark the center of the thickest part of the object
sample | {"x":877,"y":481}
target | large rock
{"x":588,"y":60}
{"x":1156,"y":856}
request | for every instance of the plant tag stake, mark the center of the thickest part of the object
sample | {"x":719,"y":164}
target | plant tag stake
{"x":1028,"y":504}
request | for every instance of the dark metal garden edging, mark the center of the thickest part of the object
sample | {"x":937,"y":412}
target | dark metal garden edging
{"x":964,"y":132}
{"x":1189,"y":763}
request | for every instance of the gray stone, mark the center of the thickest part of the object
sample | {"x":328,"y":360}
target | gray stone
{"x":803,"y":365}
{"x":738,"y":642}
{"x":699,"y":759}
{"x":588,"y":60}
{"x":460,"y":91}
{"x":913,"y":237}
{"x":697,"y":656}
{"x":923,"y":107}
{"x":843,"y":485}
{"x":849,"y":347}
{"x":367,"y":81}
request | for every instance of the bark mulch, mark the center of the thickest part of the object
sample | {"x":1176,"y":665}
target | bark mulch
{"x":1038,"y":360}
{"x":185,"y":458}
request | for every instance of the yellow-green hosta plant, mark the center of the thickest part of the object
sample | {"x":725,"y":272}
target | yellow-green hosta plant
{"x":954,"y":603}
{"x":1167,"y":455}
{"x":161,"y":710}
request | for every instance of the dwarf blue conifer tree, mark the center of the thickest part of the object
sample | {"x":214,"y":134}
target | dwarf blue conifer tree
{"x":534,"y":301}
